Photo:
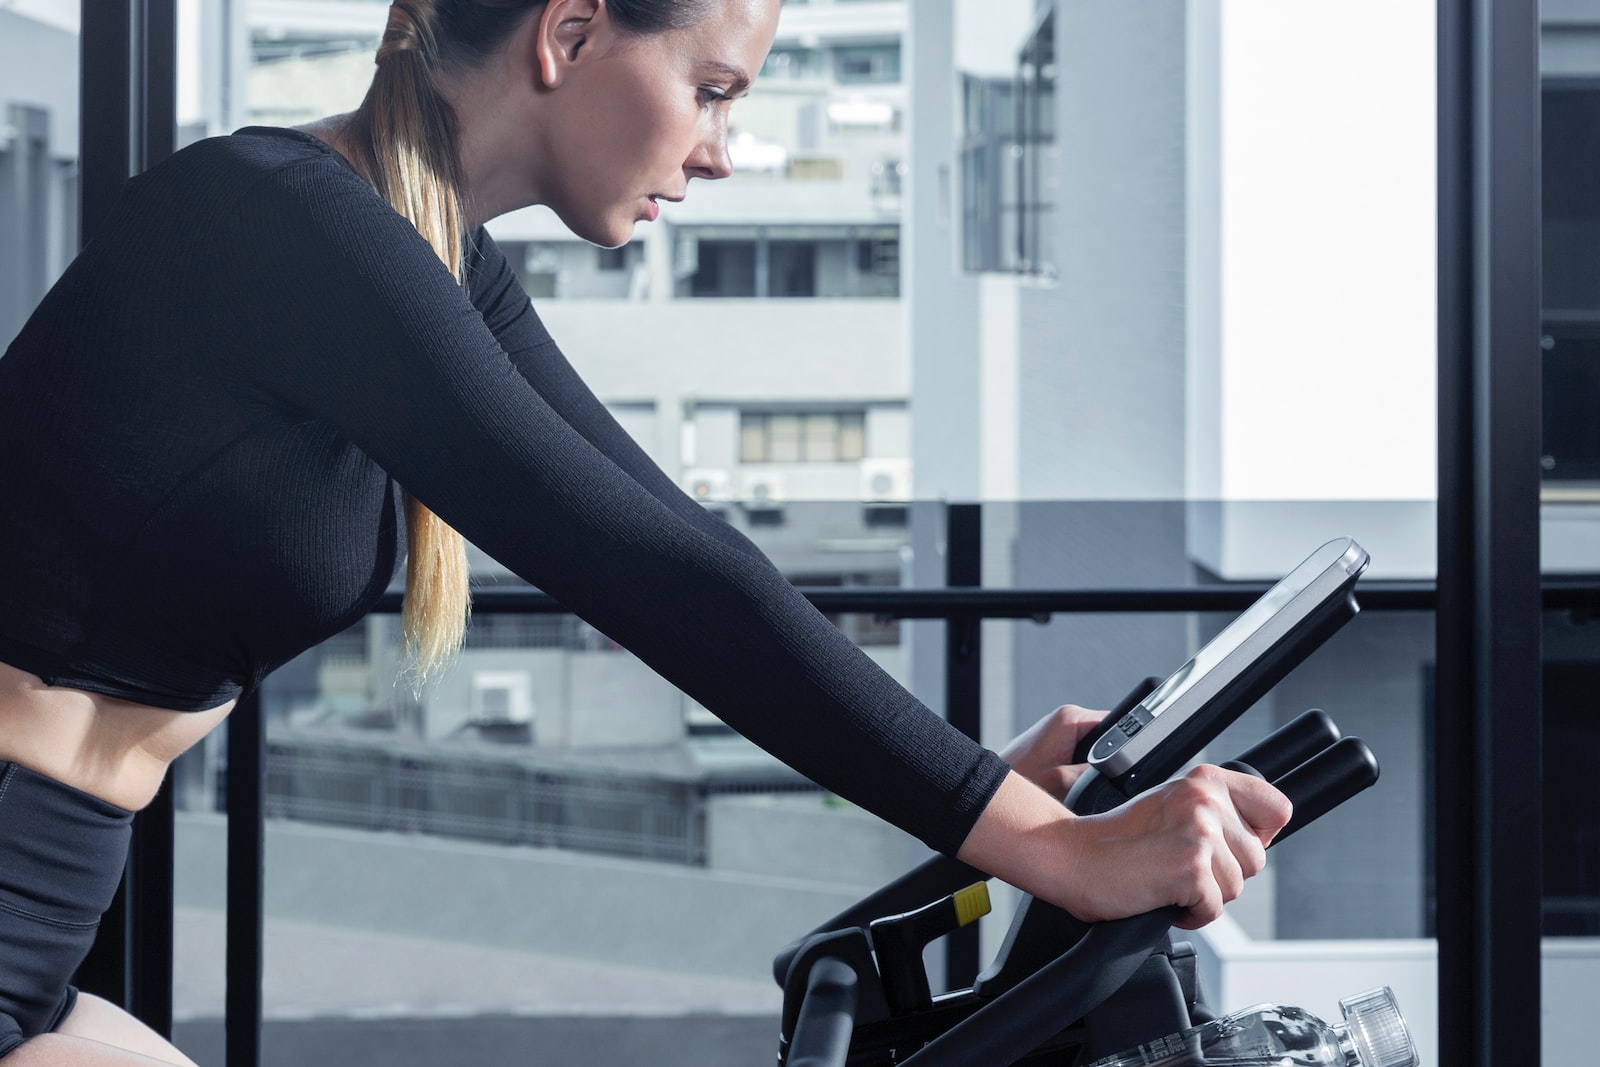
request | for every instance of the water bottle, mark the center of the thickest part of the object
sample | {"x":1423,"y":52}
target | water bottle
{"x":1373,"y":1034}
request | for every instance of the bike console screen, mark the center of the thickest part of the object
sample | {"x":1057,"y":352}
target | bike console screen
{"x":1233,"y":670}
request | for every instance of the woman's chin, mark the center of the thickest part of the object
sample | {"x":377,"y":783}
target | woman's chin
{"x":606,"y":233}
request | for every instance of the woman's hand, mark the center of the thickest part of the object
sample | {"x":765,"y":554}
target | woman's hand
{"x":1190,"y":842}
{"x":1043,"y":753}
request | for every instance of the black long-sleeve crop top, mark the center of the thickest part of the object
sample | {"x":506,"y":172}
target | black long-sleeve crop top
{"x":204,"y":425}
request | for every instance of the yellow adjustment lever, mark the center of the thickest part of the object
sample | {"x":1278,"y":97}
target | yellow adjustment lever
{"x":898,"y":941}
{"x":972,"y":903}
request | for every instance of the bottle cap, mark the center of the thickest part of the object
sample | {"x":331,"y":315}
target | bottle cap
{"x":1378,"y":1029}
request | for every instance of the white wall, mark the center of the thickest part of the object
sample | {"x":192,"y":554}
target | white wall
{"x":940,"y":303}
{"x":1327,"y":251}
{"x":1311,"y":262}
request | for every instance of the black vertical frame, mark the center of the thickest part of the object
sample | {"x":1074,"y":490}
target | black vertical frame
{"x":246,"y":795}
{"x":128,"y":122}
{"x":1487,"y":805}
{"x":128,"y":97}
{"x":963,"y":687}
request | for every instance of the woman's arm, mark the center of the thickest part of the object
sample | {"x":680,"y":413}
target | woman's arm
{"x":511,"y":317}
{"x":365,"y":330}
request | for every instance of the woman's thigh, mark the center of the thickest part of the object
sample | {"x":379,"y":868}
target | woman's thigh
{"x":103,"y":1022}
{"x":67,"y":1050}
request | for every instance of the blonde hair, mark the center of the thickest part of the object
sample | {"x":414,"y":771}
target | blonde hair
{"x":403,"y":140}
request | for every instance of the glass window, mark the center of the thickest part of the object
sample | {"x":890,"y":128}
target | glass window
{"x":1008,"y":161}
{"x":867,"y":64}
{"x":38,"y":154}
{"x":725,"y":268}
{"x":813,"y":437}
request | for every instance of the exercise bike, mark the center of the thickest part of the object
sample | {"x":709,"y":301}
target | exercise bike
{"x":1060,"y":991}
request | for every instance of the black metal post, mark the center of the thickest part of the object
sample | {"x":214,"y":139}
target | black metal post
{"x":246,"y":792}
{"x":1488,"y":719}
{"x":128,"y":121}
{"x":963,"y":670}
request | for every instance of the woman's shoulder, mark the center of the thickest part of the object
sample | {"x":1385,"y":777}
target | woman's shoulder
{"x":251,"y":151}
{"x":264,"y":177}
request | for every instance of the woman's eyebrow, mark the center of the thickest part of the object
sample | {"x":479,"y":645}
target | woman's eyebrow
{"x":738,"y":80}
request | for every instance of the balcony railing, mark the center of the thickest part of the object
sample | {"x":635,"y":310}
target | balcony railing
{"x":267,"y":778}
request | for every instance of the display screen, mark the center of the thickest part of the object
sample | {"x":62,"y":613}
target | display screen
{"x":1239,"y":630}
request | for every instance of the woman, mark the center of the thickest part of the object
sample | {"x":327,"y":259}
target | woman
{"x":294,"y":356}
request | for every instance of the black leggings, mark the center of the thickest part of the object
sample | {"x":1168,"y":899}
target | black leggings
{"x":61,"y":857}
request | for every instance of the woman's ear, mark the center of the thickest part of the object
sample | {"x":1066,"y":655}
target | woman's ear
{"x":565,"y":32}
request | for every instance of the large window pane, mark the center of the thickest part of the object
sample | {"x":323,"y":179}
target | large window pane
{"x":38,"y":153}
{"x":1570,"y":545}
{"x":1225,"y":349}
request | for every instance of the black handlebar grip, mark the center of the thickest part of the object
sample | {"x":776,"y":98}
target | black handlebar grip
{"x":827,"y":1016}
{"x":1325,"y":781}
{"x":1291,"y":744}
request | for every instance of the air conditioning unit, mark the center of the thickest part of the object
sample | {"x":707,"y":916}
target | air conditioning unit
{"x":708,"y":485}
{"x":762,"y":491}
{"x":885,"y":481}
{"x":500,"y":697}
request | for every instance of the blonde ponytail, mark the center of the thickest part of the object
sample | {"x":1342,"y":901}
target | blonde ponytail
{"x":403,"y":139}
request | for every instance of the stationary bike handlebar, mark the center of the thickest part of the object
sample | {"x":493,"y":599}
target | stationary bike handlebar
{"x":1305,"y":759}
{"x":1080,"y":979}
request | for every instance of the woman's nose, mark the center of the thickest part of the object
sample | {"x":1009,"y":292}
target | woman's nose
{"x":710,"y":159}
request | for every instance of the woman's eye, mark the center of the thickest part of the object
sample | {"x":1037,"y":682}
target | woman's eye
{"x":711,"y":96}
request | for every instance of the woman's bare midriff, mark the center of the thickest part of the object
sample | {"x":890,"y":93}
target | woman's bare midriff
{"x":114,"y":749}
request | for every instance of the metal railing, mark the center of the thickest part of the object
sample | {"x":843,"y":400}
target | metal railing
{"x":253,"y":760}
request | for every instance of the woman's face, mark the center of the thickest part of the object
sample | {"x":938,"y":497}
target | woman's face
{"x":645,"y":114}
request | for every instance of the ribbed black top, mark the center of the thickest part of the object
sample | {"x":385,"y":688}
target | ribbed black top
{"x":204,"y":425}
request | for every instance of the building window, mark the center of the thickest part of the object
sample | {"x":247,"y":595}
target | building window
{"x":1008,"y":165}
{"x":725,"y":268}
{"x":611,"y":259}
{"x":792,"y":268}
{"x":833,"y":262}
{"x":802,"y":437}
{"x":877,"y":64}
{"x":1571,"y":287}
{"x":789,"y":64}
{"x":879,"y":258}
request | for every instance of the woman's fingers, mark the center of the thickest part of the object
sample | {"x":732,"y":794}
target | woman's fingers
{"x":1262,"y":808}
{"x":1043,"y":752}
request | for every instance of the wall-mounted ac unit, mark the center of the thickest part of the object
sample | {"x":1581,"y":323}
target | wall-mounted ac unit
{"x":885,"y":481}
{"x":501,"y":697}
{"x":709,"y":485}
{"x":762,"y":490}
